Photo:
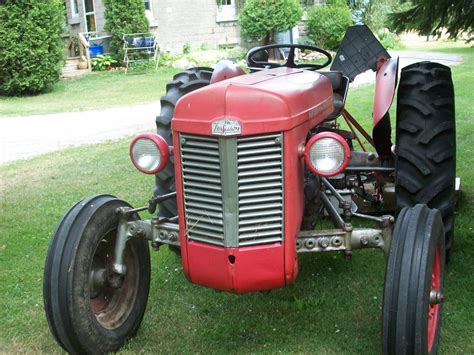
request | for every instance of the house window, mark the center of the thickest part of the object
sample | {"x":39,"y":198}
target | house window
{"x":74,"y":9}
{"x":226,"y":11}
{"x":148,"y":10}
{"x":89,"y":15}
{"x":147,"y":5}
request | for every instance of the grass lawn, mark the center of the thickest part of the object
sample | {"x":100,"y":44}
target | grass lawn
{"x":92,"y":92}
{"x":334,"y":306}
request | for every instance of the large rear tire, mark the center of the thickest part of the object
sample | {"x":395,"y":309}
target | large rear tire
{"x":413,"y":292}
{"x":88,"y":309}
{"x":182,"y":84}
{"x":426,"y":142}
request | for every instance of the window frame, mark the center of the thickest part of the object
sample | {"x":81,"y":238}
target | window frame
{"x":74,"y":9}
{"x":149,"y":13}
{"x":88,"y":14}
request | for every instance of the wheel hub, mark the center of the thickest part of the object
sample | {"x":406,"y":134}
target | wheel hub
{"x":436,"y":297}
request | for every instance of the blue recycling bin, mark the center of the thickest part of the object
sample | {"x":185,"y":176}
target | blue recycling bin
{"x":96,"y":50}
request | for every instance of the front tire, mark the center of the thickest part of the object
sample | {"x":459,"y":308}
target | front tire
{"x":413,"y":290}
{"x":85,"y":313}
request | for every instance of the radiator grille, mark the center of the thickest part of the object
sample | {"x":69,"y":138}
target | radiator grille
{"x":202,"y":189}
{"x":259,"y":170}
{"x":260,"y":176}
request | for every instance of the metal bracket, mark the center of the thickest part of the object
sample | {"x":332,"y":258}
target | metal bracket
{"x":347,"y":240}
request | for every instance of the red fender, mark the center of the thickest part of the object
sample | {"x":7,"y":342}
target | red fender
{"x":225,"y":69}
{"x":385,"y":84}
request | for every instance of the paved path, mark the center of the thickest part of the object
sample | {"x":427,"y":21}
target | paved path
{"x":25,"y":137}
{"x":407,"y":58}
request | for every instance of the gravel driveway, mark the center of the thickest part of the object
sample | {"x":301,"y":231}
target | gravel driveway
{"x":28,"y":136}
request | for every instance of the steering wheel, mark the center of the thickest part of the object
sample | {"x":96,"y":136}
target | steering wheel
{"x":258,"y":57}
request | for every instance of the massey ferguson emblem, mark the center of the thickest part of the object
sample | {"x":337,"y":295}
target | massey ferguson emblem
{"x":226,"y":128}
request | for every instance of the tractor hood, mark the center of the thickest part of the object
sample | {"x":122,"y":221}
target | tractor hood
{"x":266,"y":101}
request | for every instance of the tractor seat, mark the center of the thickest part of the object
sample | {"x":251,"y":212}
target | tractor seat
{"x":339,"y":87}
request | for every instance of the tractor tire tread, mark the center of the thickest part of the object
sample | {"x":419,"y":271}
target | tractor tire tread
{"x":426,"y":146}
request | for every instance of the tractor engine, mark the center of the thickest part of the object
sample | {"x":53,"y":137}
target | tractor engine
{"x":239,"y":167}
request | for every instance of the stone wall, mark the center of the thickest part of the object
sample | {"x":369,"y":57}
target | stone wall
{"x":176,"y":23}
{"x":197,"y":23}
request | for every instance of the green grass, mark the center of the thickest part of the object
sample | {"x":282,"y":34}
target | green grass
{"x":334,"y":306}
{"x":92,"y":92}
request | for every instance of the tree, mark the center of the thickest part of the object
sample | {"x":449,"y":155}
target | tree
{"x":122,"y":17}
{"x":259,"y":19}
{"x":375,"y":13}
{"x":31,"y":49}
{"x":327,"y":23}
{"x":433,"y":16}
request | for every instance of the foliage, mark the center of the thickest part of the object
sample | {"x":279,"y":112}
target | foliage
{"x":259,"y":19}
{"x":124,"y":17}
{"x":187,"y":48}
{"x":375,"y":13}
{"x":327,"y":23}
{"x":102,"y":62}
{"x":31,"y":48}
{"x":389,"y":40}
{"x":434,"y":16}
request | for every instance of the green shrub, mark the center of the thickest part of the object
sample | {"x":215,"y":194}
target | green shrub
{"x":259,"y":19}
{"x":389,"y":40}
{"x":102,"y":62}
{"x":31,"y":49}
{"x":328,"y":23}
{"x":124,"y":17}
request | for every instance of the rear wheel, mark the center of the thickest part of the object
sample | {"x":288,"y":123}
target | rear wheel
{"x":426,"y":141}
{"x":182,"y":84}
{"x":89,"y":308}
{"x":413,"y":292}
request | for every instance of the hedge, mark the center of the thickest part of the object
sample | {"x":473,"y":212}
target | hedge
{"x":31,"y":49}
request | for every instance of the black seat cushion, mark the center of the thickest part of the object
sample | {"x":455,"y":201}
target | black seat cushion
{"x":335,"y":77}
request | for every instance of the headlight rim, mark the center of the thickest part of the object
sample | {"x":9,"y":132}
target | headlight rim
{"x":162,"y":146}
{"x":340,"y":140}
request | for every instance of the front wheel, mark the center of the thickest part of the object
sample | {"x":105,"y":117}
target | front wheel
{"x":413,"y":292}
{"x":89,"y":308}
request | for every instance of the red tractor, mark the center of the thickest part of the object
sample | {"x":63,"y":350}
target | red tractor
{"x":245,"y":163}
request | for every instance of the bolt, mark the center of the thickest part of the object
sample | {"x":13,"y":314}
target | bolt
{"x":336,"y":241}
{"x":115,"y":281}
{"x":183,"y":140}
{"x":163,"y":235}
{"x":141,"y":232}
{"x":371,"y":156}
{"x":132,"y":230}
{"x":324,"y":242}
{"x":298,"y":244}
{"x":364,"y":241}
{"x":436,"y":297}
{"x":310,"y":243}
{"x":173,"y":236}
{"x":277,"y":140}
